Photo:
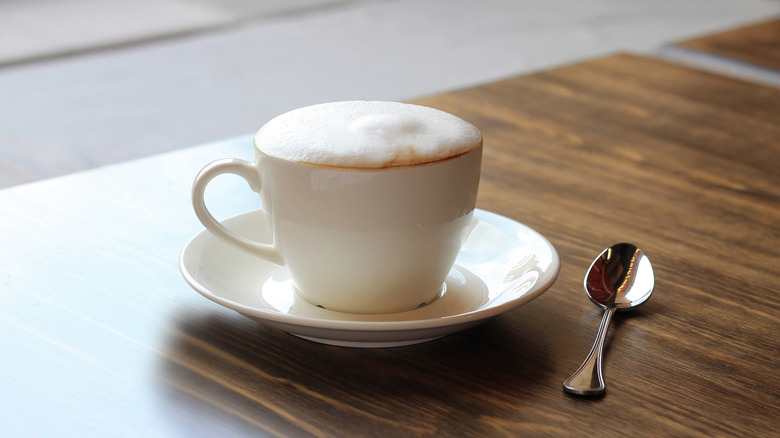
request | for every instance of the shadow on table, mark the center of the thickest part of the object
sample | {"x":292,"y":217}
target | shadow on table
{"x":225,"y":374}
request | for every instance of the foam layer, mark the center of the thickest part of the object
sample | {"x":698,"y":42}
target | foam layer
{"x":365,"y":134}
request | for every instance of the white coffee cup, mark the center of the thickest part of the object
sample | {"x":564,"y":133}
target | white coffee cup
{"x":368,"y":203}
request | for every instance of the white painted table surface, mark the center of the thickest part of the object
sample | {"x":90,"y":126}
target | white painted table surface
{"x":90,"y":286}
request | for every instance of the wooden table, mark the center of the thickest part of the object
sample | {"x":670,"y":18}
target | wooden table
{"x":758,"y":44}
{"x":102,"y":337}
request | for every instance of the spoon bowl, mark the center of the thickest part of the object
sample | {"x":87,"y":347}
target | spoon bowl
{"x":620,"y":278}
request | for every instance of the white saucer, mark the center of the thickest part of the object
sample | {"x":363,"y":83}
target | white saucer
{"x":503,"y":264}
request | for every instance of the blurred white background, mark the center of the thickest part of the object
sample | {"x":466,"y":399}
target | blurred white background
{"x":84,"y":83}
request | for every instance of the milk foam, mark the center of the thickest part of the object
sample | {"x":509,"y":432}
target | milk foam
{"x":364,"y":134}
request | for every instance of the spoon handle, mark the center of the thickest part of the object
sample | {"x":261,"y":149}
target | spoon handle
{"x":588,"y":379}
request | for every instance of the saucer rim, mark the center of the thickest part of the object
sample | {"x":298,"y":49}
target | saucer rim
{"x":472,"y":317}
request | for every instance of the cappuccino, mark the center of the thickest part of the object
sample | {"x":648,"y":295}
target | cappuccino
{"x":367,"y":135}
{"x":368,"y":203}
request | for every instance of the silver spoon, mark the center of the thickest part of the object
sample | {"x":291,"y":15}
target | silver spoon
{"x":620,"y":278}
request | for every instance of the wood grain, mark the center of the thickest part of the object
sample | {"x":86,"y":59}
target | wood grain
{"x":758,"y":44}
{"x":686,"y":165}
{"x":102,"y":337}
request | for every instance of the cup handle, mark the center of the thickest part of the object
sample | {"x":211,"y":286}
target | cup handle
{"x":248,"y":171}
